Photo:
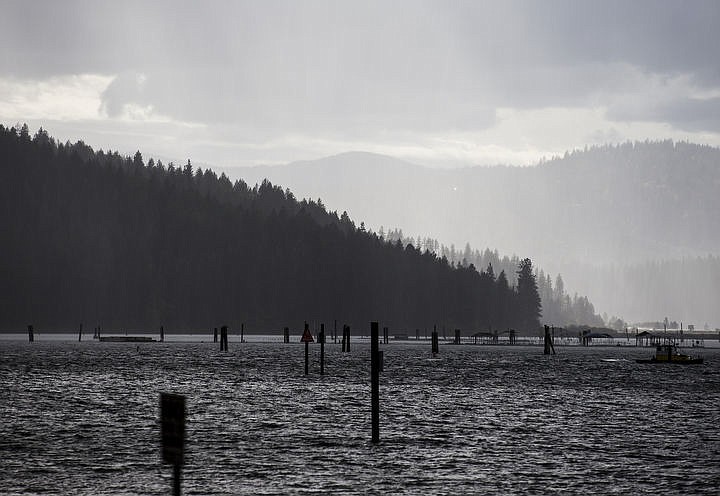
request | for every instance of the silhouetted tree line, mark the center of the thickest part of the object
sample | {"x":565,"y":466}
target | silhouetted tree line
{"x":559,"y":308}
{"x":97,"y":238}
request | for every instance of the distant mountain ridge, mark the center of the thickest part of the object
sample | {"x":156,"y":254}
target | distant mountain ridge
{"x":607,"y":205}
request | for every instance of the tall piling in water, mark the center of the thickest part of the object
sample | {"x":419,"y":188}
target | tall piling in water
{"x":375,"y":381}
{"x":80,"y":334}
{"x":242,"y":332}
{"x":162,"y":334}
{"x":386,"y":335}
{"x":31,"y":334}
{"x":224,"y":338}
{"x":215,"y":335}
{"x":306,"y":332}
{"x":335,"y":332}
{"x":321,"y":339}
{"x":286,"y":335}
{"x":548,"y":342}
{"x":434,"y":340}
{"x":457,"y":337}
{"x":346,"y":339}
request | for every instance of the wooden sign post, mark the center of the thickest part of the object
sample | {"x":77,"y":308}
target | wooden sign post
{"x":172,"y":419}
{"x":307,"y":339}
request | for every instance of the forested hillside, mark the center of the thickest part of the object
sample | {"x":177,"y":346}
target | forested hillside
{"x":97,"y":238}
{"x":596,"y":215}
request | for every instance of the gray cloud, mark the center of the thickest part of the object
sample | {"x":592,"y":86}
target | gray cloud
{"x":689,"y":114}
{"x":346,"y":68}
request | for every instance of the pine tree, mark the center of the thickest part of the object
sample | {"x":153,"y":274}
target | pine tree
{"x":529,"y":306}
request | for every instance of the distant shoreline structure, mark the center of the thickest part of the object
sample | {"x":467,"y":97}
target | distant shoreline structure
{"x":127,"y":339}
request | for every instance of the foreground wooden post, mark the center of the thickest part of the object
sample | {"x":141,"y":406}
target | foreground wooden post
{"x":172,"y":419}
{"x":31,"y":333}
{"x":375,"y":381}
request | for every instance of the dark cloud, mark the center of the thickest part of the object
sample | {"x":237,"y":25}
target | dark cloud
{"x":326,"y":65}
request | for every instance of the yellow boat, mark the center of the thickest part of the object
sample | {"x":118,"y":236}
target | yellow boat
{"x":668,"y":353}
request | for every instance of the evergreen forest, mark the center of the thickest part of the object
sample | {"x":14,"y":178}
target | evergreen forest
{"x":99,"y":239}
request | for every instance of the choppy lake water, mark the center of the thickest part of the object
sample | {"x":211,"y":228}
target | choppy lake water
{"x":82,"y":418}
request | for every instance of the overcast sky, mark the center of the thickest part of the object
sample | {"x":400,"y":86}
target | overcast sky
{"x":438,"y":83}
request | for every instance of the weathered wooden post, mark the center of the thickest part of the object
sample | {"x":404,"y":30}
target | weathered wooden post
{"x":31,"y":333}
{"x":375,"y":381}
{"x":548,"y":342}
{"x":242,"y":332}
{"x":80,"y":334}
{"x":215,"y":335}
{"x":172,"y":419}
{"x":417,"y":334}
{"x":335,"y":332}
{"x":321,"y":339}
{"x":224,"y":338}
{"x":512,"y":336}
{"x":386,"y":338}
{"x":162,"y":334}
{"x":346,"y":339}
{"x":286,"y":335}
{"x":434,"y":341}
{"x":457,"y":336}
{"x":307,"y":339}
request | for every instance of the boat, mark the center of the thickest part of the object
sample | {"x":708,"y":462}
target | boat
{"x":668,"y":353}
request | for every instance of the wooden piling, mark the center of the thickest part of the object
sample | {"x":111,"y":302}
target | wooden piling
{"x":321,"y":338}
{"x":435,"y":346}
{"x":375,"y":381}
{"x":457,"y":336}
{"x":346,"y":339}
{"x":286,"y":335}
{"x":548,"y":342}
{"x":31,"y":333}
{"x":215,"y":335}
{"x":80,"y":334}
{"x":417,"y":334}
{"x":335,"y":332}
{"x":307,"y":349}
{"x":162,"y":334}
{"x":385,"y":335}
{"x":224,"y":338}
{"x":242,"y":332}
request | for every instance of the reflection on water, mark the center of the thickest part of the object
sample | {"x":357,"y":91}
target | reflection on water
{"x":81,"y":418}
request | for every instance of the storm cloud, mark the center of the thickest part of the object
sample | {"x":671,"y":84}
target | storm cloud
{"x":372,"y":72}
